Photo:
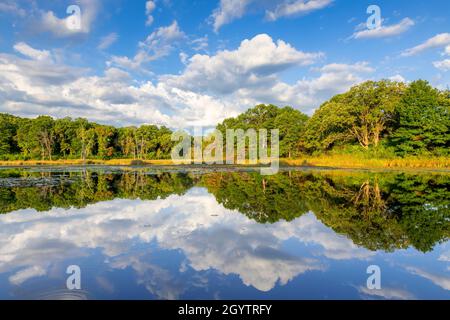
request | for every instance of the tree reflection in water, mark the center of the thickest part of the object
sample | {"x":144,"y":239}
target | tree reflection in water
{"x":379,"y":211}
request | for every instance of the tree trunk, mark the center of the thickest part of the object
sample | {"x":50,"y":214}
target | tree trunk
{"x":378,"y":128}
{"x":362,"y":135}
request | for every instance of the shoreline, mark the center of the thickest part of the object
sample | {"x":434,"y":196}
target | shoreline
{"x":321,"y":162}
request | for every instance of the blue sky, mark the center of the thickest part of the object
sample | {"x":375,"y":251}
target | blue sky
{"x":182,"y":63}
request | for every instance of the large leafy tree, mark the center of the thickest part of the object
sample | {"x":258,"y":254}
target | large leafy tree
{"x":363,"y":115}
{"x":423,"y":121}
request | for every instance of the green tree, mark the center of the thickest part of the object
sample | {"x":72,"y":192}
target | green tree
{"x":36,"y":137}
{"x":8,"y":132}
{"x":423,"y":121}
{"x":291,"y":124}
{"x":105,"y":136}
{"x":363,"y":115}
{"x":288,"y":121}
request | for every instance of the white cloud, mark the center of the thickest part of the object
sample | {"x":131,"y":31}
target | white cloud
{"x":227,"y":242}
{"x":438,"y":280}
{"x":108,"y":41}
{"x":443,"y":65}
{"x":385,"y":31}
{"x":149,"y":8}
{"x":23,"y":275}
{"x":333,"y":79}
{"x":208,"y":90}
{"x":49,"y":22}
{"x":200,"y":44}
{"x":228,"y":11}
{"x":40,"y":20}
{"x":158,"y":44}
{"x":30,"y":88}
{"x":387,"y":293}
{"x":445,"y":256}
{"x":183,"y":58}
{"x":447,"y":50}
{"x":440,"y":40}
{"x":296,"y":7}
{"x":250,"y":75}
{"x":32,"y":53}
{"x":167,"y":34}
{"x":397,"y":78}
{"x":255,"y":62}
{"x":9,"y":6}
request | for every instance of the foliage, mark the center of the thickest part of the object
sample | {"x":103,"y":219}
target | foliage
{"x":363,"y":115}
{"x":45,"y":138}
{"x":423,"y":121}
{"x":287,"y":120}
{"x":378,"y":211}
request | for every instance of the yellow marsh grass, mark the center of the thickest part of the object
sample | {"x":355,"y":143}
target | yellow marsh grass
{"x":350,"y":162}
{"x":336,"y":161}
{"x":113,"y":162}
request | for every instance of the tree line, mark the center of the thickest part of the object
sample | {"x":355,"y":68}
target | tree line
{"x":392,"y":118}
{"x":385,"y":117}
{"x":47,"y":138}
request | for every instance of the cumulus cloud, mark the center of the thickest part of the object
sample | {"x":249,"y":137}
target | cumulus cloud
{"x":227,"y":242}
{"x":31,"y":88}
{"x":254,"y":62}
{"x":108,"y":41}
{"x":333,"y":79}
{"x":250,"y":75}
{"x":438,"y":41}
{"x":296,"y":7}
{"x":209,"y":89}
{"x":385,"y":31}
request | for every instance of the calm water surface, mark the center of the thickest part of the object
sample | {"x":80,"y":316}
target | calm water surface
{"x":143,"y":234}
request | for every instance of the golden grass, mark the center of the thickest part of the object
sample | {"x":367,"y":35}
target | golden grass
{"x":335,"y":161}
{"x":354,"y":162}
{"x":112,"y":162}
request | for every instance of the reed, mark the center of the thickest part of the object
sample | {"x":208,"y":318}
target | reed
{"x":335,"y":161}
{"x":352,"y":161}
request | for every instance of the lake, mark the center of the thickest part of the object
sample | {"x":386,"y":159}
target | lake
{"x":197,"y":233}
